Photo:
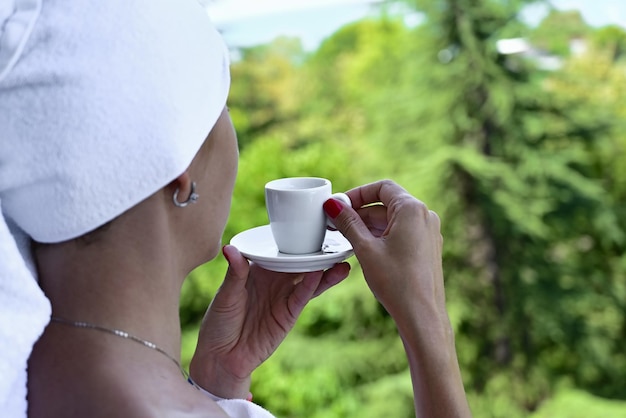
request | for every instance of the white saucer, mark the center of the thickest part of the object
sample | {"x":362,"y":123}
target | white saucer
{"x":257,"y":244}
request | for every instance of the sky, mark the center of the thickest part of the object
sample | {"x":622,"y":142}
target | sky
{"x":250,"y":22}
{"x":596,"y":12}
{"x":255,"y":22}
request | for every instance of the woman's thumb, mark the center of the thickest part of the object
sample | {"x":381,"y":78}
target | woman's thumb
{"x":238,"y":267}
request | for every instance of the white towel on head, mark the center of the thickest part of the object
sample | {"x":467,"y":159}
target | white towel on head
{"x":102,"y":103}
{"x":108,"y":102}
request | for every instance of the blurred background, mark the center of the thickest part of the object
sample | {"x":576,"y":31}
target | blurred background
{"x":508,"y":118}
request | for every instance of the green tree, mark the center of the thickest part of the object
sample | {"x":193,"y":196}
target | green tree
{"x":525,"y":169}
{"x":612,"y":39}
{"x":517,"y":184}
{"x":592,"y":88}
{"x":263,"y":89}
{"x":557,"y":30}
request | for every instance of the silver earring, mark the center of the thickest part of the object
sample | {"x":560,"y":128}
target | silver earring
{"x":193,"y":196}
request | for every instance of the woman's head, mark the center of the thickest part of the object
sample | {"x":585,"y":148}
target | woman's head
{"x":196,"y":226}
{"x":102,"y":104}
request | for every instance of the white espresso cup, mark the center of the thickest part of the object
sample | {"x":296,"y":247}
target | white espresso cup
{"x":295,"y":209}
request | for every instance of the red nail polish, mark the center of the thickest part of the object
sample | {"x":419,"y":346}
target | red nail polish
{"x":333,"y":208}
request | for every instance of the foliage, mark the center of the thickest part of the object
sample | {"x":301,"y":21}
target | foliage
{"x":577,"y":404}
{"x":558,"y":29}
{"x":525,"y":169}
{"x":612,"y":40}
{"x":262,"y":87}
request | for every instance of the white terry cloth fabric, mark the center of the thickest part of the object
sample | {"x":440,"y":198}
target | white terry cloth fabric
{"x":24,"y":312}
{"x":240,"y":408}
{"x":102,"y":103}
{"x":236,"y":408}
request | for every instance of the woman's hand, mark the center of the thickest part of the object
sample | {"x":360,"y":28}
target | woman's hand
{"x":249,"y":317}
{"x":398,"y":243}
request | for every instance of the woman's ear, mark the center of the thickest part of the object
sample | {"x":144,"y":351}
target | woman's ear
{"x":181,"y":185}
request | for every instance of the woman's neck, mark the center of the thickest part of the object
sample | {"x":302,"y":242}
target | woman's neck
{"x":127,"y":280}
{"x":117,"y":281}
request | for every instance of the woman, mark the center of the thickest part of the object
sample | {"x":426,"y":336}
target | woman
{"x":123,"y":181}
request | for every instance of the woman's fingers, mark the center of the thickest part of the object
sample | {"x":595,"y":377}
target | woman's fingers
{"x":383,"y":191}
{"x":311,"y":285}
{"x":349,"y":223}
{"x":303,"y":292}
{"x":331,"y":277}
{"x":375,"y":217}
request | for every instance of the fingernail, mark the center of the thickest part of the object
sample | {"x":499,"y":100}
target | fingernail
{"x":224,"y":253}
{"x":333,"y":208}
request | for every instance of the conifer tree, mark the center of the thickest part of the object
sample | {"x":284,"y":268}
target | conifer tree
{"x":515,"y":161}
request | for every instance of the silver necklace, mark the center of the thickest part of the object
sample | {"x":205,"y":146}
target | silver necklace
{"x":125,"y":335}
